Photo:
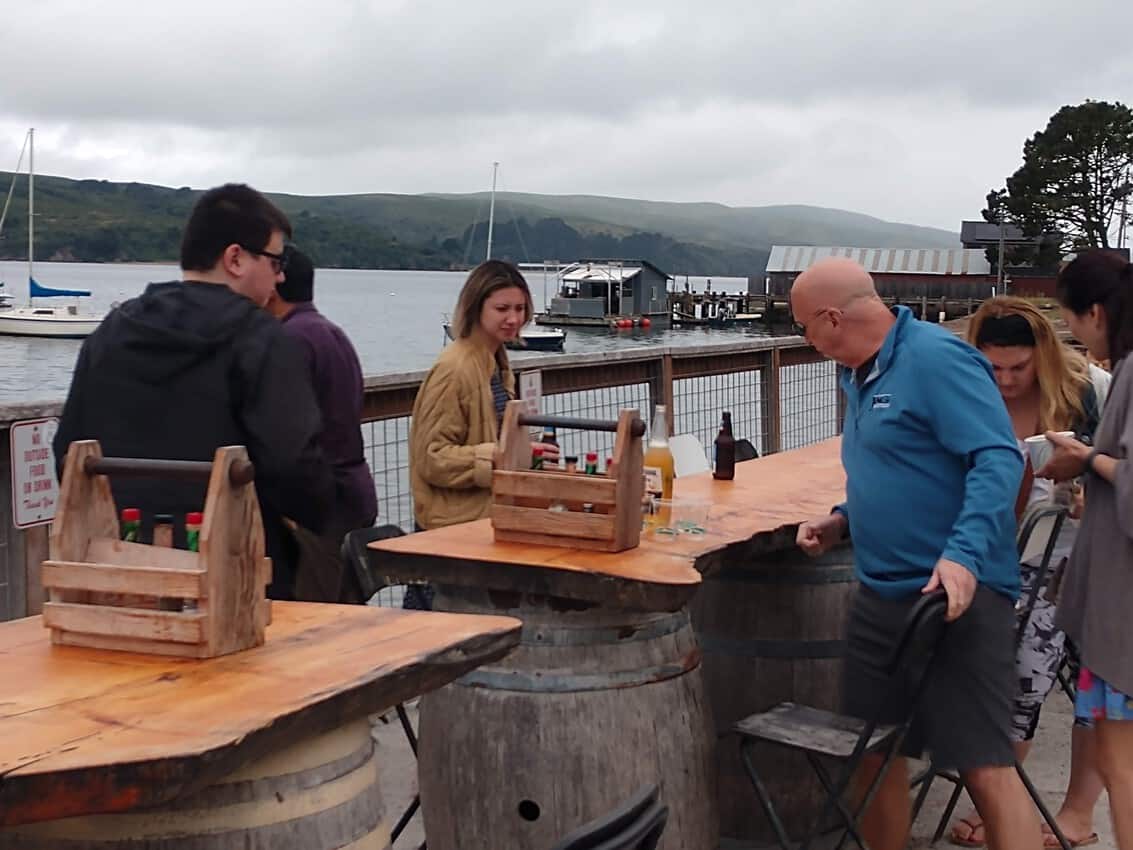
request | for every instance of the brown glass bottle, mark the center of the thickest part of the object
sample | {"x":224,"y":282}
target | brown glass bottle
{"x":725,"y":451}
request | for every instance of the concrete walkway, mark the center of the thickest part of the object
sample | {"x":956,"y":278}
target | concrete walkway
{"x":1048,"y":767}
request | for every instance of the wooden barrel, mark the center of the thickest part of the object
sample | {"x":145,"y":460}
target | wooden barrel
{"x":771,"y":630}
{"x":319,"y":794}
{"x":592,"y":705}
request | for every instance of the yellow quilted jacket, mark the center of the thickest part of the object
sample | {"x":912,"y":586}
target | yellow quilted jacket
{"x":453,"y":436}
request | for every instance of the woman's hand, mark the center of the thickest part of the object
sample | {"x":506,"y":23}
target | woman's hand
{"x":550,"y":451}
{"x":1068,"y":460}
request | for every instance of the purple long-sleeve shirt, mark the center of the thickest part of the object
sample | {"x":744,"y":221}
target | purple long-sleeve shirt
{"x":337,"y":377}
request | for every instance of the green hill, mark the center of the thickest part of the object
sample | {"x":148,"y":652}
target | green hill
{"x":100,"y":221}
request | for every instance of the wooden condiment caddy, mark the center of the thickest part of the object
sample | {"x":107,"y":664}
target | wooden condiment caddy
{"x":522,"y":497}
{"x":107,"y":593}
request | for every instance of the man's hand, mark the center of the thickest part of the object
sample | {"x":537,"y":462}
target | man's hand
{"x":959,"y":584}
{"x":1068,"y":460}
{"x":821,"y":535}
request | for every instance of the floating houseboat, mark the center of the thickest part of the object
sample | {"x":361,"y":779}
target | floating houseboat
{"x":605,"y":293}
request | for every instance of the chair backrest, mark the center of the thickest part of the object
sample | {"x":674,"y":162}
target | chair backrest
{"x":357,"y":556}
{"x":745,"y":451}
{"x":1038,"y":532}
{"x":688,"y":455}
{"x":636,"y":824}
{"x":1039,"y":528}
{"x":909,"y":662}
{"x":923,"y":629}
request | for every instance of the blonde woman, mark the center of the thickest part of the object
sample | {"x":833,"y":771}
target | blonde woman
{"x":456,"y":416}
{"x":1046,"y":387}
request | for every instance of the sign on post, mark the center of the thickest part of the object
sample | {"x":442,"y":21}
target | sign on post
{"x":531,"y":390}
{"x":34,"y":488}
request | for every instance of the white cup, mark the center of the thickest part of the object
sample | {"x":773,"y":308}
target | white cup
{"x":1040,"y":448}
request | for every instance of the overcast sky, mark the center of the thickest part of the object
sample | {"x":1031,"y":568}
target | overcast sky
{"x":906,"y":111}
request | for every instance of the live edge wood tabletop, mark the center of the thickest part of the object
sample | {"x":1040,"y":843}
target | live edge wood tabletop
{"x":756,"y":512}
{"x":86,"y":730}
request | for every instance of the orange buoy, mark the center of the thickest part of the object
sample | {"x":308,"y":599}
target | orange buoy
{"x":645,"y":322}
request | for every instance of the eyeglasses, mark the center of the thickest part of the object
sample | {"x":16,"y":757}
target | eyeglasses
{"x":278,"y":261}
{"x":800,"y":329}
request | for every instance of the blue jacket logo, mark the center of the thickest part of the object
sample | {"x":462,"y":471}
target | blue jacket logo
{"x":881,"y":401}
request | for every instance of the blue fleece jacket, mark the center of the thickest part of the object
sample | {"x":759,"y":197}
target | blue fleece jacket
{"x":931,"y":463}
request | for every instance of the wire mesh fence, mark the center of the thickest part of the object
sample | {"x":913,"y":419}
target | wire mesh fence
{"x":807,"y":405}
{"x":701,"y":384}
{"x":699,"y":402}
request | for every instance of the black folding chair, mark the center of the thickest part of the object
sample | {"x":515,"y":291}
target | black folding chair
{"x":745,"y":450}
{"x":1026,"y":607}
{"x":636,"y":824}
{"x":355,"y":552}
{"x":847,"y":740}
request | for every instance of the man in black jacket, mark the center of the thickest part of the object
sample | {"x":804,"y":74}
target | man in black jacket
{"x":195,"y":364}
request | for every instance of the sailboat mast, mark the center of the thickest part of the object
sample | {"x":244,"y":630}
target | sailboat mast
{"x":31,"y":205}
{"x":492,"y":208}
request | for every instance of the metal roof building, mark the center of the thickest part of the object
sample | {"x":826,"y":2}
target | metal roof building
{"x":797,"y":258}
{"x":898,"y":272}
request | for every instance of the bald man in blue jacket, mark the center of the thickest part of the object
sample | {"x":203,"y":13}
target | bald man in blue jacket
{"x":932,"y":472}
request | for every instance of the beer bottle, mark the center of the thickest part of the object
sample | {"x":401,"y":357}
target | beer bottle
{"x":659,"y":458}
{"x":725,"y":451}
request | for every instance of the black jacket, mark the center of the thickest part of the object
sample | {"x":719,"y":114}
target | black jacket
{"x":184,"y":369}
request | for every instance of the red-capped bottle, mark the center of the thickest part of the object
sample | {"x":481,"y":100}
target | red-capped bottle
{"x":130,"y":524}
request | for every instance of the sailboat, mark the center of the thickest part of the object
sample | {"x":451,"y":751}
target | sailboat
{"x":34,"y":320}
{"x":530,"y":338}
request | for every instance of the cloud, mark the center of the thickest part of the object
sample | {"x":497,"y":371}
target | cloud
{"x":906,"y":111}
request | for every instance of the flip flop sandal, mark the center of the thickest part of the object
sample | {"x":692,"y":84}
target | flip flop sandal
{"x":965,"y":841}
{"x":1051,"y":841}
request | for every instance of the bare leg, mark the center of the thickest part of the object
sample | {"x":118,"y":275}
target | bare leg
{"x":1115,"y":761}
{"x":1007,"y":811}
{"x":970,"y":827}
{"x":1076,"y":817}
{"x":885,"y":824}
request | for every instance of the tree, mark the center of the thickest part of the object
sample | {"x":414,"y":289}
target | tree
{"x":1074,"y":176}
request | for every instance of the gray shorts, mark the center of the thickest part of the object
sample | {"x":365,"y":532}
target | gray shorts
{"x":963,"y":718}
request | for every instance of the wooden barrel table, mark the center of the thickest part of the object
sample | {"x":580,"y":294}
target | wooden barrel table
{"x":772,"y":630}
{"x":265,"y":749}
{"x":318,"y":794}
{"x":593,"y":704}
{"x":603,"y":694}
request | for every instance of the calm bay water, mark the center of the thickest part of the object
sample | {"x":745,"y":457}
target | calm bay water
{"x":393,"y":317}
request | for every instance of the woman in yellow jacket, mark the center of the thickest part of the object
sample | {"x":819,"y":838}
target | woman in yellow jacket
{"x":456,"y":416}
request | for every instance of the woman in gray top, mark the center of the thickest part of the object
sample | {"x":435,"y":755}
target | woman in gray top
{"x":1096,"y":601}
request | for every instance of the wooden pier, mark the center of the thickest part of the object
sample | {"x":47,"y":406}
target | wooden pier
{"x":723,"y":309}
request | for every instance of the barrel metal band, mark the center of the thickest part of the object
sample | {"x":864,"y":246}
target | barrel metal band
{"x":761,"y":648}
{"x":499,"y":679}
{"x":534,"y":635}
